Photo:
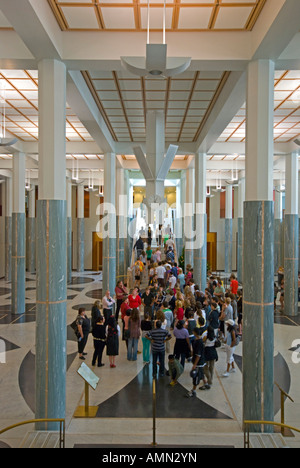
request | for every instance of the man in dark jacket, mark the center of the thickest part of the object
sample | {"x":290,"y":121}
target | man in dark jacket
{"x":139,"y":246}
{"x":198,"y":361}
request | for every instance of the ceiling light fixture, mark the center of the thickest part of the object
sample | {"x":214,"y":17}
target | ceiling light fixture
{"x":156,"y":63}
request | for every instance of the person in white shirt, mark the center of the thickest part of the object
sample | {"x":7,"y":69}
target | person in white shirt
{"x":107,"y":303}
{"x":160,"y":271}
{"x":172,"y":281}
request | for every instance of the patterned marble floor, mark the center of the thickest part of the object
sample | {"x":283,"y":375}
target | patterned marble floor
{"x":123,"y":397}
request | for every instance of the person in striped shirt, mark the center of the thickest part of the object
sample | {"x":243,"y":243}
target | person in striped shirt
{"x":158,"y":337}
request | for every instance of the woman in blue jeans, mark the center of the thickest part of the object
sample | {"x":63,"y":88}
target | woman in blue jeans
{"x":134,"y":327}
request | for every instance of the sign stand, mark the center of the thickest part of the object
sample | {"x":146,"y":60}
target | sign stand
{"x":90,"y":380}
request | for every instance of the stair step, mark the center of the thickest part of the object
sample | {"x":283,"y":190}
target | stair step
{"x":267,"y":441}
{"x":40,"y":439}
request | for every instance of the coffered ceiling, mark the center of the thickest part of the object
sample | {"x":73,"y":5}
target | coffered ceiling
{"x":204,"y":106}
{"x":181,"y":15}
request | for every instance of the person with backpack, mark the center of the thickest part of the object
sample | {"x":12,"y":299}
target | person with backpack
{"x":231,"y":343}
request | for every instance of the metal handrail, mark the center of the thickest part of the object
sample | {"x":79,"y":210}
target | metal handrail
{"x":247,"y":425}
{"x":30,"y":421}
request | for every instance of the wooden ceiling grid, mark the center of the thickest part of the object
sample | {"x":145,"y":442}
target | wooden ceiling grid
{"x":123,"y":101}
{"x":181,"y":15}
{"x":19,"y":90}
{"x":286,"y":111}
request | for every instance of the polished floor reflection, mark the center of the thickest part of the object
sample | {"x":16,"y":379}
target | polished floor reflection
{"x":124,"y":395}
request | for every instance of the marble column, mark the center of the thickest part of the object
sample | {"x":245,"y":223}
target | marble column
{"x":241,"y":199}
{"x":178,"y":219}
{"x":8,"y":227}
{"x":228,"y":230}
{"x":121,"y":210}
{"x":278,"y":230}
{"x":51,"y":336}
{"x":31,"y":227}
{"x":80,"y":228}
{"x":109,"y":237}
{"x":189,"y":212}
{"x":291,"y":235}
{"x":18,"y":235}
{"x":258,"y":252}
{"x":69,"y":231}
{"x":200,"y":251}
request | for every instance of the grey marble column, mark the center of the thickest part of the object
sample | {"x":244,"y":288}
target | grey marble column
{"x":51,"y":311}
{"x":69,"y":250}
{"x":189,"y":215}
{"x":200,"y":246}
{"x":69,"y":230}
{"x":200,"y":252}
{"x":109,"y":265}
{"x":258,"y":312}
{"x":18,"y":235}
{"x":31,"y":244}
{"x":80,"y":244}
{"x":228,"y":245}
{"x":110,"y":237}
{"x":121,"y":274}
{"x":258,"y":264}
{"x":278,"y":244}
{"x":8,"y":247}
{"x":278,"y":230}
{"x":241,"y":199}
{"x":51,"y":247}
{"x":291,"y":235}
{"x":18,"y":263}
{"x":8,"y":227}
{"x":240,"y":250}
{"x":31,"y":256}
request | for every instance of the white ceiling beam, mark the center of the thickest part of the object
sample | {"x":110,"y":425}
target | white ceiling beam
{"x":34,"y":23}
{"x":83,"y":104}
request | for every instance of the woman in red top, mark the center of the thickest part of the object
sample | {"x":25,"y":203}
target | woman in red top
{"x":179,"y":312}
{"x":134,"y":299}
{"x":234,"y":284}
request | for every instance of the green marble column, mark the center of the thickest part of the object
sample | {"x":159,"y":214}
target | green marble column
{"x":8,"y":247}
{"x":228,"y":245}
{"x":200,"y":256}
{"x":291,"y":235}
{"x":240,"y":250}
{"x":109,"y":272}
{"x":258,"y":313}
{"x":51,"y":304}
{"x":18,"y":263}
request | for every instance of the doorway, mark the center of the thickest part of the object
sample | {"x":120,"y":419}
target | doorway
{"x":97,"y":252}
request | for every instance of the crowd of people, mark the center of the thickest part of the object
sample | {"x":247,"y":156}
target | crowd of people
{"x":170,"y":305}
